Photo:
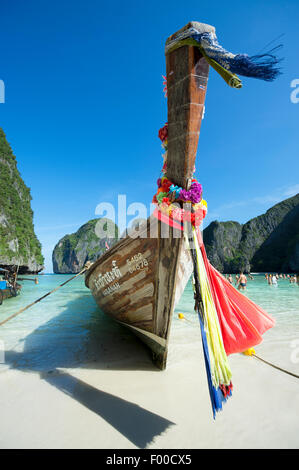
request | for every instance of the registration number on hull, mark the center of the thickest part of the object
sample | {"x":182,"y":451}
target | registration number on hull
{"x":137,"y":262}
{"x":109,"y":281}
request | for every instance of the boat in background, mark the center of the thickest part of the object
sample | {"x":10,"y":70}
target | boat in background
{"x":9,"y":287}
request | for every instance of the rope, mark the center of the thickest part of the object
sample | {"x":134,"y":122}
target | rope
{"x":258,"y":357}
{"x":182,"y":317}
{"x":44,"y":296}
{"x":276,"y":367}
{"x":271,"y":42}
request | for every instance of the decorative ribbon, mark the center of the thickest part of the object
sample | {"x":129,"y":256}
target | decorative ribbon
{"x":227,"y":64}
{"x":217,"y":366}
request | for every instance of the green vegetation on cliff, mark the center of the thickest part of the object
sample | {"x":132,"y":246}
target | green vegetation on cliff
{"x":18,"y":242}
{"x":74,"y":250}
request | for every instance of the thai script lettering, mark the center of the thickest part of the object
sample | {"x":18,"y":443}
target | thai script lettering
{"x":104,"y":279}
{"x":111,"y":289}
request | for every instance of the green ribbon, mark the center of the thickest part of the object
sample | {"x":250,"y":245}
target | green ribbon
{"x":231,"y":78}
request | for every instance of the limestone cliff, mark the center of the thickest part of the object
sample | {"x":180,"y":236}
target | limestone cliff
{"x":269,"y":242}
{"x":18,"y":242}
{"x":73,"y":251}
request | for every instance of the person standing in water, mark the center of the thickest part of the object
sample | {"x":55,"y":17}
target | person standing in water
{"x":230,"y":279}
{"x":242,"y":281}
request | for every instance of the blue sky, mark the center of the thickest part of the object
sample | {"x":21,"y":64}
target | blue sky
{"x":84,"y":102}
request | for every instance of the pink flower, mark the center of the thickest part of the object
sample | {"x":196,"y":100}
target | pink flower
{"x":163,"y":132}
{"x":165,"y":86}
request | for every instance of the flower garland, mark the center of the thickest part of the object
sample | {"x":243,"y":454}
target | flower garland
{"x":170,"y":197}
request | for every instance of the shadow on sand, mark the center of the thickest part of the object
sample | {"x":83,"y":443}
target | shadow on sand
{"x":137,"y":424}
{"x":83,"y":337}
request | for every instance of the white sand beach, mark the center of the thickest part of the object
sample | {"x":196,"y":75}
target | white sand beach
{"x":121,"y":401}
{"x":108,"y":204}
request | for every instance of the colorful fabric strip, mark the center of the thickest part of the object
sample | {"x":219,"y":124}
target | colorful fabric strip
{"x":261,"y":66}
{"x":217,"y":366}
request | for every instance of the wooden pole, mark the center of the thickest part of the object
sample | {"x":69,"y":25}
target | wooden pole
{"x":43,"y":297}
{"x":187,"y":78}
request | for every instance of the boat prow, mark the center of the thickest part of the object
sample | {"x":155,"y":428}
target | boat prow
{"x":139,"y":280}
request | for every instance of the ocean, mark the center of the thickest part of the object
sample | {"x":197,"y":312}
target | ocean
{"x":66,"y":330}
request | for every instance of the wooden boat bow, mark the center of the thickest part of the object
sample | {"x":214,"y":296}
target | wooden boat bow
{"x":139,"y":280}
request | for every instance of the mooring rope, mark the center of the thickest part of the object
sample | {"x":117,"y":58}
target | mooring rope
{"x":44,"y":296}
{"x":275,"y":367}
{"x":182,"y":317}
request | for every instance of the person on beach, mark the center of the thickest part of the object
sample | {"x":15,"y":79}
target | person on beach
{"x":242,"y":281}
{"x":230,"y":279}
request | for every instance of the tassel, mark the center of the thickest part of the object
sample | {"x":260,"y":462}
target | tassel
{"x":220,"y":395}
{"x":255,"y":67}
{"x":262,"y":66}
{"x":217,"y":367}
{"x":228,"y":65}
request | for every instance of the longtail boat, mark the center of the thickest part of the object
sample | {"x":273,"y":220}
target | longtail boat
{"x":152,"y":272}
{"x":139,"y":281}
{"x":9,"y":292}
{"x":8,"y":288}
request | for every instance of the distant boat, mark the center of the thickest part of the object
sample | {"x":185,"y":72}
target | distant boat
{"x":9,"y":292}
{"x":139,"y":281}
{"x":8,"y":289}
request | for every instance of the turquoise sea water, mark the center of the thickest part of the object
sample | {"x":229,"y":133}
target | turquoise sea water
{"x":67,"y":329}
